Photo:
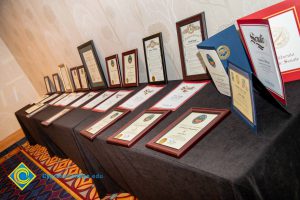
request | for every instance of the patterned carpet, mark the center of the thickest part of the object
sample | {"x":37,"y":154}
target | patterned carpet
{"x":37,"y":159}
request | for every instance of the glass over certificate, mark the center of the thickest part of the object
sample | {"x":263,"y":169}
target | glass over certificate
{"x":49,"y":98}
{"x":48,"y":86}
{"x":64,"y":73}
{"x":56,"y":82}
{"x":72,"y":97}
{"x":92,"y":66}
{"x":216,"y":70}
{"x":113,"y":70}
{"x":83,"y":79}
{"x":59,"y":98}
{"x":140,"y":97}
{"x":76,"y":80}
{"x":182,"y":93}
{"x":98,"y":99}
{"x":130,"y":69}
{"x":84,"y":99}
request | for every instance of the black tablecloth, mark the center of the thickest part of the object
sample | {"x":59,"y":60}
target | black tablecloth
{"x":231,"y":162}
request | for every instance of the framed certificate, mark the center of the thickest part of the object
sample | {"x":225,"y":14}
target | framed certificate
{"x":91,"y":62}
{"x":58,"y":115}
{"x":103,"y":123}
{"x":155,"y":59}
{"x":57,"y":83}
{"x":134,"y":130}
{"x":130,"y":68}
{"x":83,"y":78}
{"x":190,"y":32}
{"x":113,"y":71}
{"x":242,"y":101}
{"x":75,"y":79}
{"x":48,"y":85}
{"x":65,"y":76}
{"x":187,"y":130}
{"x":102,"y":97}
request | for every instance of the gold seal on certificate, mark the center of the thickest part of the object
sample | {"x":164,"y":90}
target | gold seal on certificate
{"x":75,"y":79}
{"x":137,"y":128}
{"x":190,"y":32}
{"x":65,"y":76}
{"x":113,"y":71}
{"x":193,"y":125}
{"x":155,"y":59}
{"x":130,"y":68}
{"x":103,"y":123}
{"x":90,"y":60}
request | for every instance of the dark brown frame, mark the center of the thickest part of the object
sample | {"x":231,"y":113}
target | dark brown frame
{"x":107,"y":59}
{"x":45,"y":123}
{"x":222,"y":113}
{"x":92,"y":136}
{"x":46,"y":78}
{"x":201,"y":18}
{"x":90,"y":46}
{"x":111,"y":139}
{"x":134,"y":51}
{"x":85,"y":77}
{"x":161,"y":46}
{"x":59,"y":82}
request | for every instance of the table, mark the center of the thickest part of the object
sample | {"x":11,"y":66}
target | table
{"x":229,"y":163}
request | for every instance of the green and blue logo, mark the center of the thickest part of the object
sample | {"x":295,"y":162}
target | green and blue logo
{"x":22,"y":176}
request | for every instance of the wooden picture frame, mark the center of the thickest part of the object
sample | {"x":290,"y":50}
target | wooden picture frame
{"x":125,"y":79}
{"x":57,"y":83}
{"x":84,"y":82}
{"x":110,"y":62}
{"x":65,"y":77}
{"x":128,"y":143}
{"x":75,"y":80}
{"x":48,"y":84}
{"x":156,"y":142}
{"x":96,"y":80}
{"x":188,"y":23}
{"x":91,"y":136}
{"x":152,"y":44}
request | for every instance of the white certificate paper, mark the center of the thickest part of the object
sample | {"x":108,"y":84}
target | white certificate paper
{"x":84,"y":99}
{"x":83,"y":79}
{"x":191,"y":36}
{"x":140,"y":97}
{"x":182,"y":93}
{"x":34,"y":107}
{"x":130,"y":69}
{"x":102,"y":107}
{"x":76,"y":79}
{"x":154,"y":60}
{"x":69,"y":99}
{"x":92,"y":66}
{"x":184,"y":131}
{"x":59,"y":98}
{"x":98,"y":100}
{"x":259,"y":43}
{"x":49,"y":98}
{"x":104,"y":122}
{"x":113,"y":72}
{"x":65,"y":77}
{"x":286,"y":40}
{"x":137,"y":126}
{"x":216,"y":70}
{"x":58,"y":115}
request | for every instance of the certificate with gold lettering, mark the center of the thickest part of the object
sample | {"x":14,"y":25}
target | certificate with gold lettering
{"x":130,"y":68}
{"x":113,"y":71}
{"x":193,"y":125}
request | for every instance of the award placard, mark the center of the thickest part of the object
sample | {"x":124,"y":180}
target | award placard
{"x":187,"y":130}
{"x":75,"y":79}
{"x":242,"y":101}
{"x":91,"y":62}
{"x":191,"y":31}
{"x":134,"y":130}
{"x":56,"y":116}
{"x":62,"y":96}
{"x":57,"y":83}
{"x":65,"y":76}
{"x":83,"y":78}
{"x":262,"y":54}
{"x":179,"y":95}
{"x":84,"y":99}
{"x":102,"y":97}
{"x":283,"y":19}
{"x":155,"y":59}
{"x":69,"y":99}
{"x":49,"y":98}
{"x":48,"y":85}
{"x":103,"y":123}
{"x":113,"y":71}
{"x":130,"y":68}
{"x":34,"y":107}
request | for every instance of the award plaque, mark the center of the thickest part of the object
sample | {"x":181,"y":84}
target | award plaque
{"x":113,"y":71}
{"x":134,"y":130}
{"x":155,"y":59}
{"x":48,"y":85}
{"x":190,"y":32}
{"x":91,"y":62}
{"x":130,"y":68}
{"x":103,"y":123}
{"x":102,"y":97}
{"x":83,"y":78}
{"x":186,"y":131}
{"x":75,"y":79}
{"x":56,"y":116}
{"x":65,"y":76}
{"x":57,"y":83}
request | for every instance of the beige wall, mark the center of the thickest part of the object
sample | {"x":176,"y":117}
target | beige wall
{"x":44,"y":33}
{"x":16,"y":91}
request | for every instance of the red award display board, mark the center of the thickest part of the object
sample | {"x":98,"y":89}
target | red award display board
{"x":283,"y":19}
